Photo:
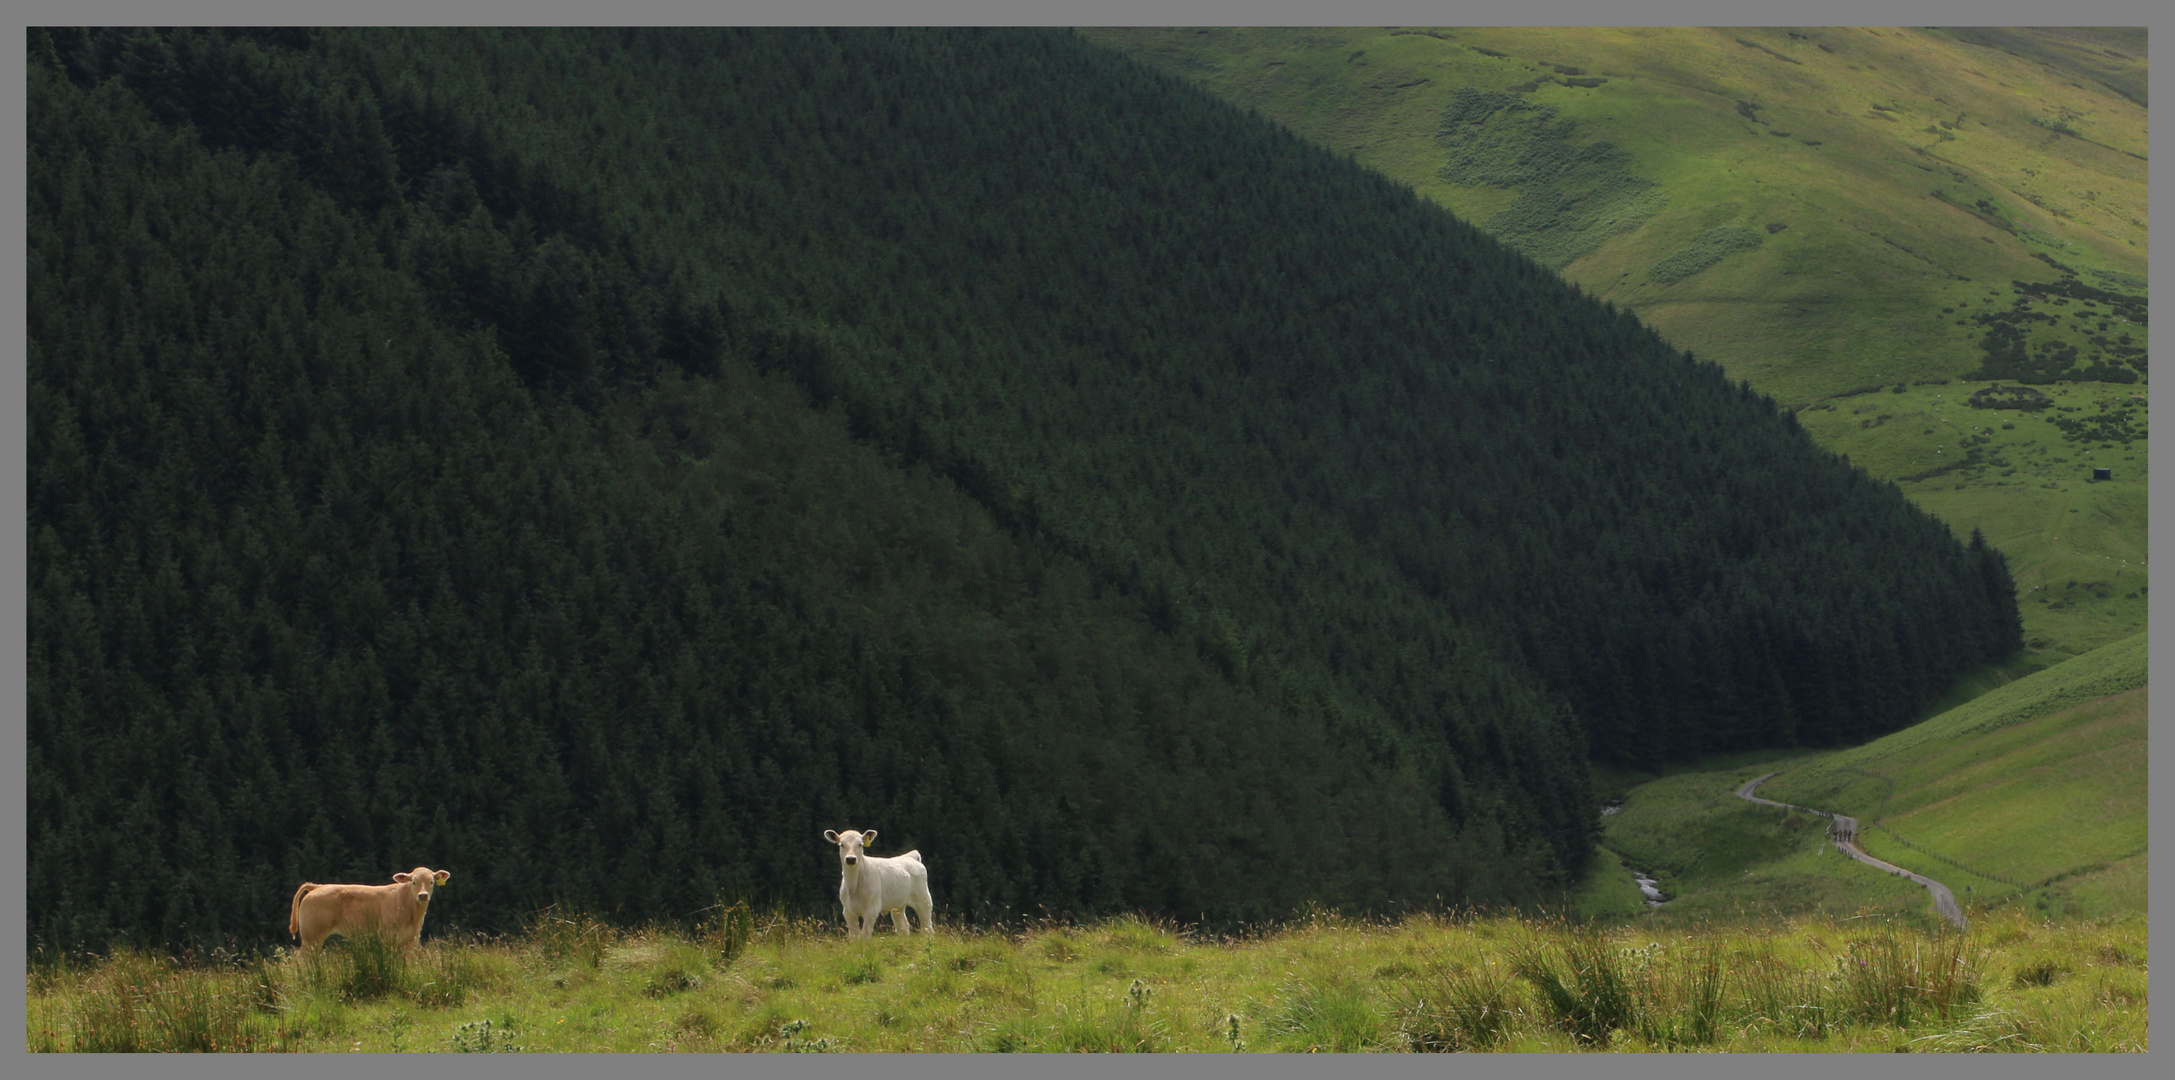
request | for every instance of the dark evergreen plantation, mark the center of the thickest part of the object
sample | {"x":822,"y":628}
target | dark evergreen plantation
{"x":597,"y":462}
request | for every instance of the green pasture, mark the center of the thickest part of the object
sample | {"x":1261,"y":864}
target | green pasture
{"x":2033,"y":793}
{"x":1715,"y":855}
{"x":2030,"y":795}
{"x":1431,"y":983}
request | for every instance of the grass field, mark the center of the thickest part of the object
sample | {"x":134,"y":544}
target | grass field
{"x":1717,"y":856}
{"x":2034,"y":793}
{"x":1324,"y":984}
{"x":2030,"y":795}
{"x":1830,"y":214}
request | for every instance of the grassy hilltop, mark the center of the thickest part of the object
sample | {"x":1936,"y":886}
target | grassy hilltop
{"x":1127,"y":985}
{"x":1825,"y":212}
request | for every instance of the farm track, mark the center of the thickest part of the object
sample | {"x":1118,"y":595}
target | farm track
{"x":1844,"y":830}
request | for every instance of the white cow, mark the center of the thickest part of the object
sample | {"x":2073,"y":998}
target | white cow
{"x":870,"y":886}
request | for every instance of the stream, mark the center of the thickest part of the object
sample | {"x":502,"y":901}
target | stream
{"x":1648,"y":887}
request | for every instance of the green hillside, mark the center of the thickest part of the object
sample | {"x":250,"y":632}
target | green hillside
{"x":2033,"y":793}
{"x":597,"y":462}
{"x":1825,"y":212}
{"x":2036,"y":789}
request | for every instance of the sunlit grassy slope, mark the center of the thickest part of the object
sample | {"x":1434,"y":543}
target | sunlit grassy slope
{"x":2034,"y":791}
{"x":2031,"y":796}
{"x":1822,"y":211}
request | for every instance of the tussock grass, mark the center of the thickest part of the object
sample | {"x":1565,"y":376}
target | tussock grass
{"x":135,"y":1002}
{"x":1429,"y":983}
{"x":1457,"y":1011}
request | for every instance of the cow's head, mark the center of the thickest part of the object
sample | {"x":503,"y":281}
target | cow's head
{"x":420,"y":881}
{"x":850,"y":844}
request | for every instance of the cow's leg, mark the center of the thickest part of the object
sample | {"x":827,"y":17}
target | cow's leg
{"x":920,"y":903}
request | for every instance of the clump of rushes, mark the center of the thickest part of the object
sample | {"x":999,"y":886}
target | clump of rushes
{"x":1581,"y":985}
{"x":1890,"y":979}
{"x":660,"y":964}
{"x":1679,"y":1000}
{"x":445,"y":975}
{"x":1329,"y":1015}
{"x":371,"y":967}
{"x":137,"y":1003}
{"x":576,"y":938}
{"x":727,"y":931}
{"x":148,"y":1005}
{"x":1087,"y":1025}
{"x":1783,"y":998}
{"x":1459,"y":1010}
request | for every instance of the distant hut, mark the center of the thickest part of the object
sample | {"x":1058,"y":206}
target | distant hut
{"x":2103,"y":474}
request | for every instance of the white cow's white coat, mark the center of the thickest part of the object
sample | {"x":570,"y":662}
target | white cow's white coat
{"x":869,"y":886}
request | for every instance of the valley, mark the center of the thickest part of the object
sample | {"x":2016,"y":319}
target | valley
{"x":1236,"y":503}
{"x":2030,"y":796}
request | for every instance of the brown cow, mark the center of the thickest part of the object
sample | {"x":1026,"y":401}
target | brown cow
{"x":320,"y":911}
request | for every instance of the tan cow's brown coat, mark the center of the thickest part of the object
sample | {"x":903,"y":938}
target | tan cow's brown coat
{"x":397,"y":910}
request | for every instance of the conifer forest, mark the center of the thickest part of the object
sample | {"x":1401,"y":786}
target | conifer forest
{"x":599,"y":461}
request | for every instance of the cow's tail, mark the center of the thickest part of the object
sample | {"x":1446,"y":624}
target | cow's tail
{"x":294,"y":910}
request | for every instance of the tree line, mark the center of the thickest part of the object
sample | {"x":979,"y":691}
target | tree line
{"x":598,"y":461}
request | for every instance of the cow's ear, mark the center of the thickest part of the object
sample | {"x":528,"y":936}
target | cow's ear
{"x":443,"y":875}
{"x":831,"y":835}
{"x":868,"y":838}
{"x":401,"y":878}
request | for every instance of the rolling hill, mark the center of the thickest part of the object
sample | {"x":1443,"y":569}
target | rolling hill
{"x":1826,"y":213}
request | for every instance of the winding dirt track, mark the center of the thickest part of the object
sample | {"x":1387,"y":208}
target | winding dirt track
{"x":1845,"y":831}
